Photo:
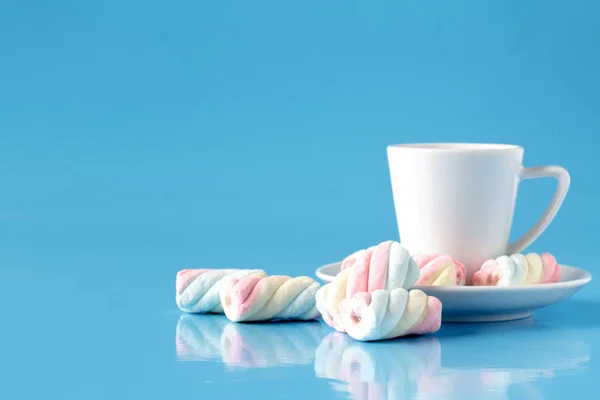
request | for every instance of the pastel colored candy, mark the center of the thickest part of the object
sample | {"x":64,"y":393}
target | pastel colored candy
{"x":385,"y":314}
{"x":351,"y":259}
{"x":440,"y":270}
{"x":259,"y":297}
{"x":518,"y":269}
{"x":197,"y":290}
{"x":387,"y":266}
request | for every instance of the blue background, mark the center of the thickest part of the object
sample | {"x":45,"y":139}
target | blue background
{"x":138,"y":138}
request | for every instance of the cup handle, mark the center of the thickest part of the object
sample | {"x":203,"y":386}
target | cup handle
{"x":564,"y":180}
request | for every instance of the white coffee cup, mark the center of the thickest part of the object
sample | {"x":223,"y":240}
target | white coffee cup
{"x":458,"y":198}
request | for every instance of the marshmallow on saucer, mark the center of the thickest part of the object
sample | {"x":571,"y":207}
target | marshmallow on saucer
{"x":440,"y":270}
{"x":197,"y":290}
{"x":387,"y":266}
{"x":259,"y":297}
{"x":518,"y":269}
{"x":385,"y":314}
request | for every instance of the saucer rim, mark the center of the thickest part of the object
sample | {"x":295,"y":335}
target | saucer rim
{"x":585,"y":278}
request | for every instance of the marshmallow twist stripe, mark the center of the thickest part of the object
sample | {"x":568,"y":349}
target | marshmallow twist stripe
{"x":351,"y":259}
{"x":518,"y":269}
{"x":197,"y":290}
{"x":260,"y":297}
{"x":387,"y":265}
{"x":385,"y":314}
{"x":440,"y":270}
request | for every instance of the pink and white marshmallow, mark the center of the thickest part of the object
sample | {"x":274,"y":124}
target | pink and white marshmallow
{"x":387,"y":266}
{"x":518,"y":269}
{"x":440,"y":270}
{"x":197,"y":290}
{"x":259,"y":297}
{"x":385,"y":314}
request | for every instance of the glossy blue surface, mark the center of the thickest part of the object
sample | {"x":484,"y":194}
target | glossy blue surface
{"x":139,"y":138}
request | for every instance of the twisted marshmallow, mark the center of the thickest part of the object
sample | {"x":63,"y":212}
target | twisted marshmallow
{"x":259,"y":297}
{"x":385,"y":314}
{"x":439,"y":270}
{"x":518,"y":269}
{"x":197,"y":290}
{"x":351,"y":259}
{"x":387,"y":265}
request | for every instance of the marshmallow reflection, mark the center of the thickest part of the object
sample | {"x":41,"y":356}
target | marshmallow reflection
{"x":517,"y":356}
{"x":198,"y":337}
{"x":209,"y":337}
{"x":378,"y":370}
{"x":478,"y":361}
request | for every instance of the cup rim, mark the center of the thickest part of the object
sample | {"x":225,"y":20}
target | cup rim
{"x":456,"y":147}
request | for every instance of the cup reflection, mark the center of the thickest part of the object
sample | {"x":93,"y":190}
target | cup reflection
{"x":213,"y":337}
{"x":475,"y":361}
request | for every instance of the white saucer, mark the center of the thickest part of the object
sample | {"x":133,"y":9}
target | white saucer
{"x":492,"y":303}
